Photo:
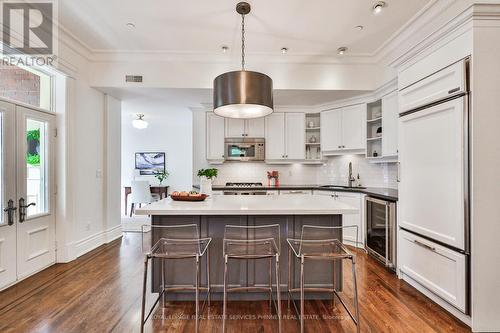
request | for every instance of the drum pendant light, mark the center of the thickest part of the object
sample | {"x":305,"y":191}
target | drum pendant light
{"x":243,"y":94}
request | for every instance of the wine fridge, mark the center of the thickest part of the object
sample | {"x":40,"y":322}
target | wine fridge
{"x":381,"y":230}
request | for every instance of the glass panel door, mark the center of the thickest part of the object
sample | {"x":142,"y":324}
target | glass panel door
{"x":376,"y":227}
{"x":36,"y":167}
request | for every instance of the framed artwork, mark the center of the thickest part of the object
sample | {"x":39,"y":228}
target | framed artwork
{"x":149,"y":163}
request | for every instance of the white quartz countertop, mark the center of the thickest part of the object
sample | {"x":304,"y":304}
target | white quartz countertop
{"x":250,"y":205}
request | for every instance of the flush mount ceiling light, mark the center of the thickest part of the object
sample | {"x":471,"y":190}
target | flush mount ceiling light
{"x":377,"y":8}
{"x":130,"y":25}
{"x":140,"y":123}
{"x":359,"y":27}
{"x":341,"y":50}
{"x":243,"y":94}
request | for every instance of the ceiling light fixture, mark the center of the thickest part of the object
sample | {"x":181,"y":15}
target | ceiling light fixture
{"x":130,"y":25}
{"x":377,"y":8}
{"x":284,"y":50}
{"x":342,"y":50}
{"x":359,"y":27}
{"x":140,"y":123}
{"x":224,"y":49}
{"x":243,"y":94}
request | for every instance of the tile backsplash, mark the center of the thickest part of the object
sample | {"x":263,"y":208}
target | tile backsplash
{"x":335,"y":170}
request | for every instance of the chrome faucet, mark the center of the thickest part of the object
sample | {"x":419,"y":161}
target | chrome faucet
{"x":351,"y":177}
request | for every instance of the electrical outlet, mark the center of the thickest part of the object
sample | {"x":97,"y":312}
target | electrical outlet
{"x":87,"y":226}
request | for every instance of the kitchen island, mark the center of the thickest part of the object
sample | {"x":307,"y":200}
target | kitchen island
{"x":211,"y":215}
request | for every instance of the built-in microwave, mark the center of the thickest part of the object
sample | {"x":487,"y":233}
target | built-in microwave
{"x":244,"y":149}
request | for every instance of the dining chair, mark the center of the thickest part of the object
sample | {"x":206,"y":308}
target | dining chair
{"x":141,"y":193}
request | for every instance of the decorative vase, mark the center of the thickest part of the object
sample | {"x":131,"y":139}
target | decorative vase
{"x":205,"y":185}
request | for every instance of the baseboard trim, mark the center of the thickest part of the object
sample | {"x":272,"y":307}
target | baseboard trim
{"x":79,"y":248}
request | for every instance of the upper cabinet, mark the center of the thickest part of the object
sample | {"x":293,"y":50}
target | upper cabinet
{"x":215,"y":138}
{"x":252,"y":128}
{"x":343,"y":130}
{"x":285,"y":136}
{"x":382,"y":129}
{"x":390,"y":117}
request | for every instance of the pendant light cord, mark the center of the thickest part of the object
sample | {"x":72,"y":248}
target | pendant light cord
{"x":243,"y":42}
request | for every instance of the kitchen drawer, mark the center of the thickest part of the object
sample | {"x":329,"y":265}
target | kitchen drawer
{"x":448,"y":82}
{"x":439,"y":269}
{"x":284,"y":192}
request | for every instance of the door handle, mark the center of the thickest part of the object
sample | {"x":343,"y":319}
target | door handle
{"x":428,"y":247}
{"x":22,"y":209}
{"x":10,"y":212}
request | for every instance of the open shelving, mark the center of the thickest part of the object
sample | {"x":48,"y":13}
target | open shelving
{"x":313,"y":130}
{"x":374,"y":129}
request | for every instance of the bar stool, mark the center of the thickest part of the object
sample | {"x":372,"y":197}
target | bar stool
{"x":252,"y":243}
{"x":174,"y":242}
{"x":321,"y":243}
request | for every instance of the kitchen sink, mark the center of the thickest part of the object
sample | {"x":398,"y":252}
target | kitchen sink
{"x":342,"y":186}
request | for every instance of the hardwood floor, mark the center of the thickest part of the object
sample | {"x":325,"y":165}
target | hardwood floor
{"x":101,"y":292}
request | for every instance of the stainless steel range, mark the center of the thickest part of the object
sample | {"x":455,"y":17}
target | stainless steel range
{"x":244,"y":189}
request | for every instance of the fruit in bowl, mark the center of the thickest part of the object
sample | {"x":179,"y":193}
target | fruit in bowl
{"x":187,"y":196}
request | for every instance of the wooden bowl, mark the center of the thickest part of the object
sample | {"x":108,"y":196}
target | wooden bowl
{"x":188,"y":198}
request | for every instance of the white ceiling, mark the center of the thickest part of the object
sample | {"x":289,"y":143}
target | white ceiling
{"x":315,"y":27}
{"x":197,"y":97}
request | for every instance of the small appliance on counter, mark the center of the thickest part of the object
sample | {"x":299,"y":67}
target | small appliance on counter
{"x":273,"y":178}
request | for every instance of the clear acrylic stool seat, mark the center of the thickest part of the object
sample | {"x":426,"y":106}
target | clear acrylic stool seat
{"x":321,"y":243}
{"x":174,"y":242}
{"x":252,"y":243}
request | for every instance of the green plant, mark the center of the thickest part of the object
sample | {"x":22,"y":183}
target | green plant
{"x":33,"y":135}
{"x":161,"y":175}
{"x":33,"y":159}
{"x":209,"y":173}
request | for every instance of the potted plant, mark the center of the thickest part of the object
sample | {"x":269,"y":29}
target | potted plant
{"x":161,"y":175}
{"x":206,"y":177}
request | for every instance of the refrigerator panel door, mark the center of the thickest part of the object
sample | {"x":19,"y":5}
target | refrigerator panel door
{"x":432,"y":183}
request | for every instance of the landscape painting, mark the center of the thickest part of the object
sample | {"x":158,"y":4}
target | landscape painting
{"x":149,"y":163}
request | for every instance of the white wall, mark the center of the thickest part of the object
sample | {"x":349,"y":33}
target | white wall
{"x":169,"y":131}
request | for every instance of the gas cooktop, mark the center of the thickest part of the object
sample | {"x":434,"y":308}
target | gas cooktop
{"x":243,"y":184}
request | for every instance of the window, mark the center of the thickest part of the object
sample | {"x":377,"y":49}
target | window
{"x":26,"y":85}
{"x":36,"y":163}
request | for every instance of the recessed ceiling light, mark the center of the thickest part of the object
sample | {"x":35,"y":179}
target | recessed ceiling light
{"x":130,"y":25}
{"x":342,"y":50}
{"x":284,"y":50}
{"x":359,"y":27}
{"x":377,"y":8}
{"x":224,"y":49}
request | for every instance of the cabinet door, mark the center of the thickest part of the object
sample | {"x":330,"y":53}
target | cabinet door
{"x":349,"y":237}
{"x":255,"y":128}
{"x":275,"y":136}
{"x":390,"y":116}
{"x":353,"y":127}
{"x":235,"y":128}
{"x":215,"y":137}
{"x":295,"y":144}
{"x":330,"y":130}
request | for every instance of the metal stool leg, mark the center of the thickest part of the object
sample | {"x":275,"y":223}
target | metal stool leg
{"x":270,"y":282}
{"x":302,"y":294}
{"x":163,"y":281}
{"x":278,"y":291}
{"x":197,"y":293}
{"x":289,"y":287}
{"x":208,"y":277}
{"x":356,"y":305}
{"x":144,"y":286}
{"x":224,"y":309}
{"x":334,"y":283}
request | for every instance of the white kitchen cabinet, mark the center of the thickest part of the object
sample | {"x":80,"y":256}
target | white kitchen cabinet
{"x":275,"y":136}
{"x":291,"y":192}
{"x":285,"y":136}
{"x":448,"y":82}
{"x":343,"y":130}
{"x":252,"y":128}
{"x":215,"y":137}
{"x":295,"y":136}
{"x":354,"y":200}
{"x":390,"y":115}
{"x":435,"y":267}
{"x":235,"y":128}
{"x":255,"y":128}
{"x":331,"y":134}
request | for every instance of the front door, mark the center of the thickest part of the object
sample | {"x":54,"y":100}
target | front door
{"x":27,"y":232}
